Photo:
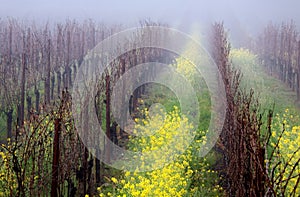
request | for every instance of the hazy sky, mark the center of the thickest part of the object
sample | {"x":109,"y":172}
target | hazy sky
{"x":238,"y":15}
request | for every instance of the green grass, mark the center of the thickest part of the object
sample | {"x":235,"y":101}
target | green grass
{"x":2,"y":125}
{"x":268,"y":89}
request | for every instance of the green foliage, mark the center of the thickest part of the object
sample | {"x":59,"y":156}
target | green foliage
{"x":186,"y":175}
{"x":26,"y":161}
{"x":284,"y":162}
{"x":268,"y":89}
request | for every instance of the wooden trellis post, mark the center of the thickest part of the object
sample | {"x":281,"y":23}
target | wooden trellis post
{"x":55,"y":162}
{"x":107,"y":80}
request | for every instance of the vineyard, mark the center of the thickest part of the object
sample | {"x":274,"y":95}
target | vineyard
{"x":139,"y":119}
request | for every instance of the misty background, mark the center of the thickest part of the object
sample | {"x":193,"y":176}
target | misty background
{"x":242,"y":18}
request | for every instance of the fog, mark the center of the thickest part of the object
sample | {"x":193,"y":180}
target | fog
{"x":240,"y":17}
